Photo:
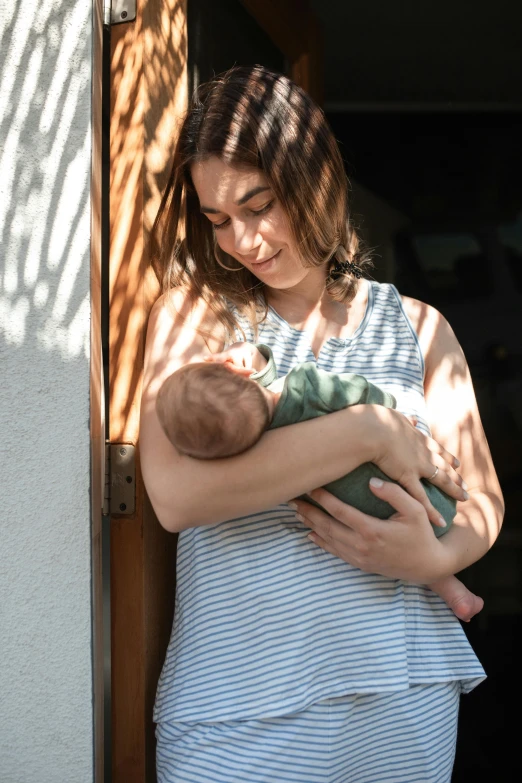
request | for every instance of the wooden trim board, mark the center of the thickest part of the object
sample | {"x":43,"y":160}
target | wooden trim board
{"x":148,"y":93}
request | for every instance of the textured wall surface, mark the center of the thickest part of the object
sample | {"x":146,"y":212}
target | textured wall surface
{"x":45,"y":571}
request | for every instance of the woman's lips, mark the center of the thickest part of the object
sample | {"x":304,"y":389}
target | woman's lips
{"x":261,"y":266}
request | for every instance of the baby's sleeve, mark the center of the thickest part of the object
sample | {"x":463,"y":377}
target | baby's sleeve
{"x":268,"y":374}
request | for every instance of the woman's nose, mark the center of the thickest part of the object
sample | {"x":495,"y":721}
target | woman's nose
{"x":246,"y":238}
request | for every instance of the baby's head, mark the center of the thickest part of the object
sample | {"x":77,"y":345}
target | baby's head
{"x":209,"y":411}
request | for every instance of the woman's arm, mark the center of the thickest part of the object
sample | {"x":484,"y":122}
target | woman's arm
{"x":455,"y":422}
{"x":285,"y":463}
{"x":404,"y":547}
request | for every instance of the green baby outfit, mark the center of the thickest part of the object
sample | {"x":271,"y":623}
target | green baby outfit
{"x":309,"y":392}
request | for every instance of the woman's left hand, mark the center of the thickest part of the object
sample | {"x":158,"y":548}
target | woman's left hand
{"x":401,"y":547}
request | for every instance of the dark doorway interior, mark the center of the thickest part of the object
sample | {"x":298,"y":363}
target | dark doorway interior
{"x":456,"y":180}
{"x":224,"y":34}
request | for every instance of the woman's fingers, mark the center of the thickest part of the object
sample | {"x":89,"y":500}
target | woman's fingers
{"x":401,"y":499}
{"x":407,"y":456}
{"x":320,"y":542}
{"x":446,"y":478}
{"x":338,"y":514}
{"x":333,"y":534}
{"x":405,"y":502}
{"x":339,"y":542}
{"x":435,"y":447}
{"x":418,"y":494}
{"x":399,"y":548}
{"x":412,"y":490}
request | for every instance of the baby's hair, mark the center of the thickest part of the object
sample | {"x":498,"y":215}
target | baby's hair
{"x":208,"y":411}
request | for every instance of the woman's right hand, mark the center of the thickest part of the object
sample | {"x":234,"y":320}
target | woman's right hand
{"x":407,"y":455}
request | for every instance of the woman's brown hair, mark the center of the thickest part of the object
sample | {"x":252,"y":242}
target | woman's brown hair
{"x":250,"y":116}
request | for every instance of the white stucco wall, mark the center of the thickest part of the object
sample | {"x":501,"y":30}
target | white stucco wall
{"x":45,"y":562}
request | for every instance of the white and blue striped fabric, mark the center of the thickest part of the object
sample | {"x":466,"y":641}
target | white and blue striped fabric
{"x":405,"y":737}
{"x":266,"y":623}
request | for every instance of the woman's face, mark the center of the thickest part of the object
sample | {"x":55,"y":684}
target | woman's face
{"x":249,"y":222}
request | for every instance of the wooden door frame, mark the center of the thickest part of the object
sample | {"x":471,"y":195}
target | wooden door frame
{"x":148,"y":94}
{"x":96,"y":391}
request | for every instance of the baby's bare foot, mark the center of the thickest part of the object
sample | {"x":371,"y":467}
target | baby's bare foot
{"x":466,"y":606}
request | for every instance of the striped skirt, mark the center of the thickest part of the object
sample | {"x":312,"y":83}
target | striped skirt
{"x":398,"y":737}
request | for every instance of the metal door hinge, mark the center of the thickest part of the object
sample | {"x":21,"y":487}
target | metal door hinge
{"x":118,"y":11}
{"x":120,"y":479}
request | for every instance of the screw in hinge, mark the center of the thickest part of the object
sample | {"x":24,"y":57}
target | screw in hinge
{"x":123,"y":452}
{"x":124,"y":14}
{"x":123,"y":506}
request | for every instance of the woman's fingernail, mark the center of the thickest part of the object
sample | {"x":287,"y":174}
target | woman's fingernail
{"x":442,"y":522}
{"x":312,"y":537}
{"x":466,"y":496}
{"x":293,"y":505}
{"x":376,"y":482}
{"x":464,"y":485}
{"x":300,"y":517}
{"x":457,"y":463}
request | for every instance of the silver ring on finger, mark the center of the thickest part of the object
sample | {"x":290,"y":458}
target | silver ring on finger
{"x":434,"y":474}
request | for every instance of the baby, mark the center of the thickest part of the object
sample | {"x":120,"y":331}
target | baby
{"x":221,"y":406}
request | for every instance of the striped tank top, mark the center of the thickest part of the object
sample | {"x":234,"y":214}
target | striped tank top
{"x":265,"y":622}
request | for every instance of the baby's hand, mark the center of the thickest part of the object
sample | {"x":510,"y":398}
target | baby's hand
{"x":244,"y":357}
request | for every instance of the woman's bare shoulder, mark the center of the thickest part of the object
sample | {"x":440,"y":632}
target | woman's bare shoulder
{"x":420,"y":314}
{"x":178,"y":307}
{"x":179,"y":328}
{"x":429,"y":324}
{"x":437,"y":339}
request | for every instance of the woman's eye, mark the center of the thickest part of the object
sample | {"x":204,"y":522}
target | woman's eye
{"x":261,"y":211}
{"x":264,"y":209}
{"x":221,"y":225}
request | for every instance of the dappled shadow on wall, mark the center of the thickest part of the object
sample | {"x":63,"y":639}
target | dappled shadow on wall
{"x":45,"y":87}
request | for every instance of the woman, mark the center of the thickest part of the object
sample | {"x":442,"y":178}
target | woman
{"x":294,"y":659}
